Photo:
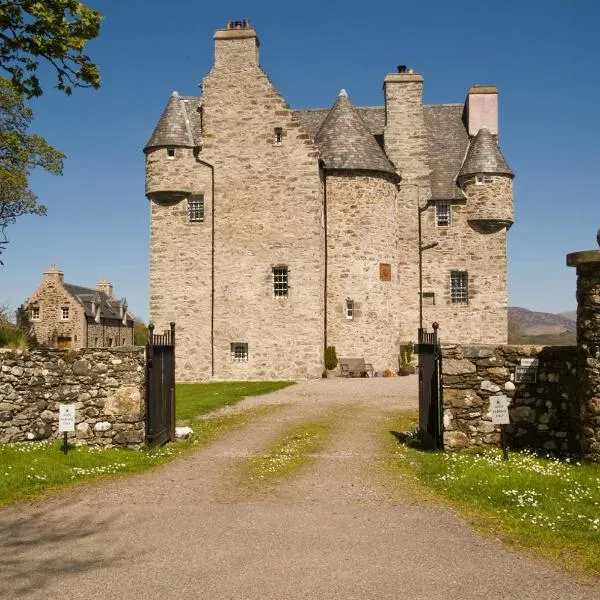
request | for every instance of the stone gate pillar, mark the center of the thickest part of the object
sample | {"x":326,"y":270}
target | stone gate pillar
{"x":587,"y":264}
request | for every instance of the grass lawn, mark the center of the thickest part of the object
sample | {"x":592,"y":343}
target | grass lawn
{"x":28,"y":469}
{"x":547,"y":505}
{"x":288,"y":455}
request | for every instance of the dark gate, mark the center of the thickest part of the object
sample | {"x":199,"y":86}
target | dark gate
{"x":430,"y":388}
{"x":160,"y":387}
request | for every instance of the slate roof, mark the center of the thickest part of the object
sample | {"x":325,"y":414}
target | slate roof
{"x":312,"y":118}
{"x":179,"y":123}
{"x":484,"y":156}
{"x":345,"y":141}
{"x":109,"y":308}
{"x":447,"y":142}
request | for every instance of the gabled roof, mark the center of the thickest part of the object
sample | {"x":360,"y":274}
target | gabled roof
{"x":345,"y":142}
{"x":110,"y":308}
{"x":447,"y":143}
{"x":484,"y":156}
{"x":179,"y":123}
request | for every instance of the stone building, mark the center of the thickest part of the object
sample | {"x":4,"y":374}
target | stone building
{"x":63,"y":315}
{"x":276,"y":232}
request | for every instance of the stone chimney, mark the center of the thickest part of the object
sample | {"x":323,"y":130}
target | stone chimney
{"x":105,"y":286}
{"x":236,"y":47}
{"x":53,"y":275}
{"x":481,"y":109}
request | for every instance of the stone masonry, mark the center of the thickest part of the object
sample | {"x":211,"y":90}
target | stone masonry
{"x":332,"y":197}
{"x":107,"y":387}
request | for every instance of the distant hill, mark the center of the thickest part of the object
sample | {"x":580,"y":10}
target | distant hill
{"x":530,"y":327}
{"x":571,"y":314}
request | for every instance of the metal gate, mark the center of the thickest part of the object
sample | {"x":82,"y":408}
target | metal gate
{"x":160,"y":387}
{"x":430,"y":388}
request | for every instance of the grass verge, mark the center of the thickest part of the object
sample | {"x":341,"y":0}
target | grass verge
{"x":29,"y":469}
{"x":196,"y":399}
{"x":285,"y":457}
{"x":546,"y":505}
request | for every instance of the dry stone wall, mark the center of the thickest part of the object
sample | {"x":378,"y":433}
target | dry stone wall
{"x":107,"y":387}
{"x":544,"y":415}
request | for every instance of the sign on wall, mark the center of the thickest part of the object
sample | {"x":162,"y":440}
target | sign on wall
{"x":499,"y":410}
{"x":66,"y":417}
{"x":526,"y":372}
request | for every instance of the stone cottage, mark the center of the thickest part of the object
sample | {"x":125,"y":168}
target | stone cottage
{"x":63,"y":315}
{"x":276,"y":232}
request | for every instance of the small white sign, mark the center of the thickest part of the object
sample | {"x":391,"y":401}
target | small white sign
{"x":66,"y":417}
{"x":530,"y":362}
{"x":499,"y":410}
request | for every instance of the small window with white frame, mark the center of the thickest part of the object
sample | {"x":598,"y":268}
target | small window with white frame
{"x":196,"y":209}
{"x":281,"y":285}
{"x":459,"y":287}
{"x":35,"y":313}
{"x":443,"y":214}
{"x":278,"y":136}
{"x":239,"y":352}
{"x":481,"y":179}
{"x":349,"y":309}
{"x":64,"y":313}
{"x":170,"y":152}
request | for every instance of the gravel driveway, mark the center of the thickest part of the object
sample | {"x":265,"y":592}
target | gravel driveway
{"x":338,"y":529}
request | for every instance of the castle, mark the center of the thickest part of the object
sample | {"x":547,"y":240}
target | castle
{"x":276,"y":232}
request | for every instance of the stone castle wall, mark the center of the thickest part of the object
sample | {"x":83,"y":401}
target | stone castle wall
{"x":544,"y":415}
{"x":181,"y":260}
{"x":107,"y":387}
{"x":108,"y":334}
{"x":361,"y":236}
{"x":268,"y":212}
{"x":484,"y":318}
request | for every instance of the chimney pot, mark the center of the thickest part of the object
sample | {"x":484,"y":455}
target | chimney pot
{"x":401,"y":68}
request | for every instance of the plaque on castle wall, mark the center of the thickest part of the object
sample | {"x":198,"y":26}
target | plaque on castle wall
{"x":385,"y":272}
{"x":526,"y":372}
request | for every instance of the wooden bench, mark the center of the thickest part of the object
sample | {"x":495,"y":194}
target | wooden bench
{"x":355,"y":367}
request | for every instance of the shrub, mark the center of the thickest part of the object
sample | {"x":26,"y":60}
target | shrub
{"x":331,"y":360}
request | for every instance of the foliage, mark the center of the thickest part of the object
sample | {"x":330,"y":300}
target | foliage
{"x":141,"y":335}
{"x":20,"y":152}
{"x":53,"y":30}
{"x":196,"y":399}
{"x":406,"y":351}
{"x":288,"y":455}
{"x":548,"y":505}
{"x":12,"y":337}
{"x":331,"y":360}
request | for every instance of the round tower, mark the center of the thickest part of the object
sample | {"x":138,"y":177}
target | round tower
{"x":168,"y":152}
{"x":486,"y":179}
{"x":360,"y":189}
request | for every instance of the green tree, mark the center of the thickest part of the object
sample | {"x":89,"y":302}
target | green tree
{"x":53,"y":30}
{"x":20,"y":152}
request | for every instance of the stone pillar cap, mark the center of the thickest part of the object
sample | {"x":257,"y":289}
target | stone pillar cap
{"x":584,"y":257}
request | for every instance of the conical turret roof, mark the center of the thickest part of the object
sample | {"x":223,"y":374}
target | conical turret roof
{"x":484,"y":156}
{"x":345,"y":142}
{"x":173,"y":128}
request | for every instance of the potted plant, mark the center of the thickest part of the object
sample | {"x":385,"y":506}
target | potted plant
{"x":406,"y":367}
{"x":331,"y":361}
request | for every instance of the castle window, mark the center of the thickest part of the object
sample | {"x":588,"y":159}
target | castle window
{"x":35,"y":313}
{"x":280,"y":282}
{"x":349,"y":309}
{"x":64,"y":313}
{"x":481,"y":179}
{"x":196,"y":209}
{"x":385,"y":272}
{"x":459,"y":287}
{"x":428,"y":299}
{"x":278,"y":137}
{"x":239,"y":352}
{"x":171,"y":152}
{"x":443,"y":214}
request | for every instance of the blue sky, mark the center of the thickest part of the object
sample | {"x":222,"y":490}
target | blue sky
{"x":543,"y":56}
